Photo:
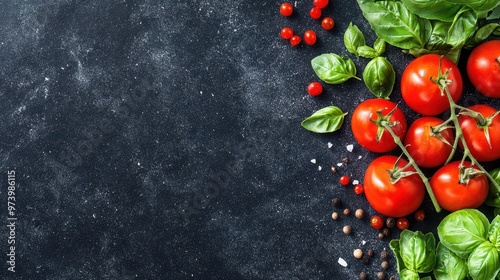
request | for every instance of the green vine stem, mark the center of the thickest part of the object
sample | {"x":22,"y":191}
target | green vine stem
{"x":411,"y":161}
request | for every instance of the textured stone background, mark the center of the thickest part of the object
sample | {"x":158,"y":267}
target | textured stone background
{"x":161,"y":140}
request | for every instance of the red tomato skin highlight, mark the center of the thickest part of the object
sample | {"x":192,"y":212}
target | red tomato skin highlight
{"x":483,"y":68}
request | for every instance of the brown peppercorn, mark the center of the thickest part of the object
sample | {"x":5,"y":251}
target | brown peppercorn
{"x":384,"y":254}
{"x":337,"y":202}
{"x":380,"y":275}
{"x":390,"y":222}
{"x":392,"y":278}
{"x":358,"y":253}
{"x":384,"y":265}
{"x":335,"y":215}
{"x":347,"y":212}
{"x":345,"y":159}
{"x":386,"y":232}
{"x":347,"y":229}
{"x":363,"y":276}
{"x":360,"y":213}
{"x":370,"y":252}
{"x":334,"y":169}
{"x":366,"y":259}
{"x":381,"y":235}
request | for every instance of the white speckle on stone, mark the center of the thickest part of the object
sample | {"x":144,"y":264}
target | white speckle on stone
{"x":313,"y":160}
{"x":350,"y":147}
{"x":342,"y":262}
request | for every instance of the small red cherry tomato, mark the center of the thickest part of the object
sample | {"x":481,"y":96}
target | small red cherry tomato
{"x":344,"y":180}
{"x":310,"y":37}
{"x":286,"y":9}
{"x":315,"y":13}
{"x":376,"y":222}
{"x":295,"y":40}
{"x":320,"y":3}
{"x":286,"y":33}
{"x":314,"y":89}
{"x":327,"y":23}
{"x":403,"y":223}
{"x":483,"y":68}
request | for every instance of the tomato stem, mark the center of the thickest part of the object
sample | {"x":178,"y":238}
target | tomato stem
{"x":411,"y":161}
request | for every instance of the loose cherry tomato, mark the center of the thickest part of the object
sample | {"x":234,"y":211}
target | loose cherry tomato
{"x":286,"y":33}
{"x":320,"y":3}
{"x":427,"y":147}
{"x":453,"y":193}
{"x":474,"y":129}
{"x":365,"y":130}
{"x":286,"y":9}
{"x":483,"y":68}
{"x":419,"y":215}
{"x":327,"y":23}
{"x":295,"y":40}
{"x":344,"y":180}
{"x":359,"y":189}
{"x":315,"y":89}
{"x":388,"y":196}
{"x":403,"y":223}
{"x":376,"y":222}
{"x":420,"y":90}
{"x":310,"y":37}
{"x":315,"y":13}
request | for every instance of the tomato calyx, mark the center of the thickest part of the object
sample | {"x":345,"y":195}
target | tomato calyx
{"x":442,"y":80}
{"x":481,"y":122}
{"x":468,"y":173}
{"x":384,"y":121}
{"x":396,"y":173}
{"x":436,"y":132}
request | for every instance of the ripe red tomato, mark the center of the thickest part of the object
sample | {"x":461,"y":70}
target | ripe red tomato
{"x":286,"y":9}
{"x":389,"y":198}
{"x":403,"y":223}
{"x":483,"y":68}
{"x":315,"y":13}
{"x":474,"y":133}
{"x":310,"y":37}
{"x":453,"y":195}
{"x":421,"y":93}
{"x":286,"y":33}
{"x":365,"y":130}
{"x":314,"y":89}
{"x":320,"y":3}
{"x":327,"y":23}
{"x":424,"y":145}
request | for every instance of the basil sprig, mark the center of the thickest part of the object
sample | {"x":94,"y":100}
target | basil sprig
{"x":332,"y":69}
{"x":328,"y":119}
{"x":379,"y":77}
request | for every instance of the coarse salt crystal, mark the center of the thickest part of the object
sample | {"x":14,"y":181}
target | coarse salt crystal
{"x":363,"y":242}
{"x":342,"y":262}
{"x":330,"y":145}
{"x":319,"y":167}
{"x":340,"y":164}
{"x":355,"y":182}
{"x":350,"y":147}
{"x":313,"y":160}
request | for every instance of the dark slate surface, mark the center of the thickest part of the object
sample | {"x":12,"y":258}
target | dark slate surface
{"x":161,"y":140}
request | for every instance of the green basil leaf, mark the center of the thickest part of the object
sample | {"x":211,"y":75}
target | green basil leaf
{"x":367,"y":52}
{"x":394,"y":23}
{"x":418,"y":250}
{"x":407,"y":274}
{"x":396,"y":249}
{"x":353,"y":39}
{"x":449,"y":266}
{"x":380,"y":77}
{"x":479,"y":6}
{"x":463,"y":230}
{"x":495,"y":14}
{"x":494,"y":232}
{"x":328,"y":119}
{"x":379,"y":46}
{"x":462,"y":28}
{"x":433,"y":9}
{"x":333,"y":69}
{"x":484,"y":262}
{"x":482,"y":34}
{"x":494,"y":194}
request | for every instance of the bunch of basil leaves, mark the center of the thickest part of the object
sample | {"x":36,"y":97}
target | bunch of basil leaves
{"x":469,"y":248}
{"x":442,"y":27}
